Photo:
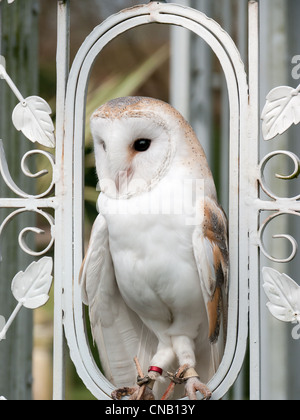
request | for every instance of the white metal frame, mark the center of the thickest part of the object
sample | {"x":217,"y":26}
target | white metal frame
{"x":245,"y":179}
{"x":229,"y":57}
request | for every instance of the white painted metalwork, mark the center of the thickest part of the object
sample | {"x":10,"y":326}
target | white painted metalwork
{"x":31,"y":115}
{"x":249,"y":161}
{"x":284,"y":295}
{"x":62,"y":59}
{"x":31,"y":288}
{"x":229,"y":57}
{"x":246,"y":181}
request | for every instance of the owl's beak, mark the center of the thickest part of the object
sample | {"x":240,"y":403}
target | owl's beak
{"x":123,"y":179}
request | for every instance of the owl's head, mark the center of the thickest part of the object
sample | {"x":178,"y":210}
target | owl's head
{"x":136,"y":140}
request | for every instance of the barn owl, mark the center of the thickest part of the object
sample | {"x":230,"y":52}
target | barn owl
{"x":155,"y":275}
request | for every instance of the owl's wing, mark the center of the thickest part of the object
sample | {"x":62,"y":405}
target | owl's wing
{"x":210,"y":243}
{"x":118,"y":332}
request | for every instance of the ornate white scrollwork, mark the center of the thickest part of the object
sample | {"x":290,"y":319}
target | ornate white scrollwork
{"x":32,"y":117}
{"x":4,"y":171}
{"x":24,"y":232}
{"x":282,"y":109}
{"x":31,"y":287}
{"x":293,"y":175}
{"x":290,"y":238}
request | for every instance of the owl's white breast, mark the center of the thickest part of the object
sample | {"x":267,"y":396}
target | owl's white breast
{"x":150,"y":238}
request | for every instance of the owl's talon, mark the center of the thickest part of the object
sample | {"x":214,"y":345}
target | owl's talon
{"x":141,"y":391}
{"x":119,"y":393}
{"x":134,"y":393}
{"x":176,"y":379}
{"x":143,"y":380}
{"x":193,"y":385}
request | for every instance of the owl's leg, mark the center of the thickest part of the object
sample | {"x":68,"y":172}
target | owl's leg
{"x":162,"y":359}
{"x":184,"y":349}
{"x":164,"y":356}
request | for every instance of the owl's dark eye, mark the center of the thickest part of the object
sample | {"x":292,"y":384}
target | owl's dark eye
{"x":141,"y":145}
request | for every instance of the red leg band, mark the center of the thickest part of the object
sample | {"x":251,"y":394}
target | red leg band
{"x":155,"y":369}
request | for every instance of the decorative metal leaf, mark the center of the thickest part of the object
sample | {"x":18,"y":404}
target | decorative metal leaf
{"x":31,"y":288}
{"x":32,"y":117}
{"x":284,"y":295}
{"x":282,"y":109}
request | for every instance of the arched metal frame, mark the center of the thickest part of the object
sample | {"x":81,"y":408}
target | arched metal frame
{"x":70,"y":185}
{"x":246,"y":178}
